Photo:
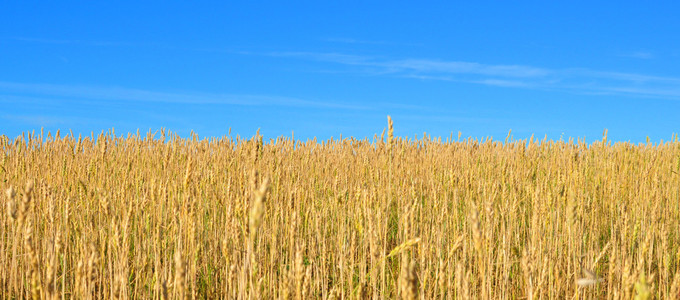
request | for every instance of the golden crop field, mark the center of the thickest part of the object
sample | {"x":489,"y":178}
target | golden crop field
{"x":161,"y":217}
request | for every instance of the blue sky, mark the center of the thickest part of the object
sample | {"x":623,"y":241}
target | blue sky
{"x":324,"y":68}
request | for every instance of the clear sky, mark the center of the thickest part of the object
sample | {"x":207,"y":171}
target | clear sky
{"x":322,"y":68}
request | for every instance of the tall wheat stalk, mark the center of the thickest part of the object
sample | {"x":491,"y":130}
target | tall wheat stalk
{"x":163,"y":217}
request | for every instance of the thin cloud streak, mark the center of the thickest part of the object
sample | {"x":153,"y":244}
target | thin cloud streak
{"x":458,"y":67}
{"x":502,"y":83}
{"x":420,"y":65}
{"x":579,"y":80}
{"x":489,"y":81}
{"x":127,"y":94}
{"x":669,"y":93}
{"x":631,"y":77}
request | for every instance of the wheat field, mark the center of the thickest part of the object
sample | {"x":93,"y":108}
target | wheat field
{"x":156,"y":216}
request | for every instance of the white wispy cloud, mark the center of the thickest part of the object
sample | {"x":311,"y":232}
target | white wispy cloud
{"x":138,"y":95}
{"x":502,"y":82}
{"x":420,"y":65}
{"x":578,"y":80}
{"x":459,"y":67}
{"x":652,"y":92}
{"x":630,"y":77}
{"x":488,"y":81}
